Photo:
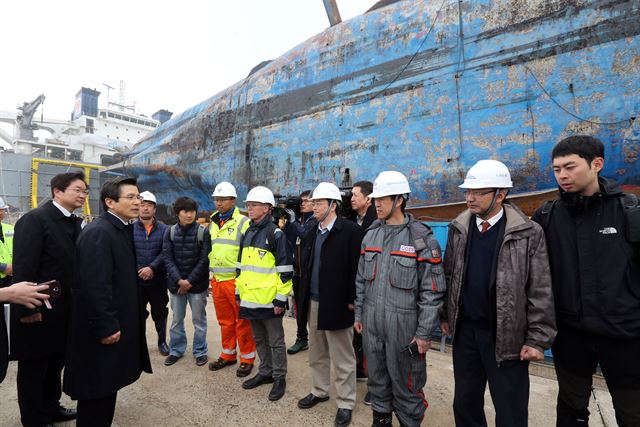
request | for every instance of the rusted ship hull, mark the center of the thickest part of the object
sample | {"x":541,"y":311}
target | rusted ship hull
{"x":423,"y":87}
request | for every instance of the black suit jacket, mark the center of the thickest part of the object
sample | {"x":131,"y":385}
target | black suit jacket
{"x":369,"y":217}
{"x":43,"y":250}
{"x":105,"y":301}
{"x":338,"y":267}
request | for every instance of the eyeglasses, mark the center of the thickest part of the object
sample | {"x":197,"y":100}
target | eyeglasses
{"x":131,"y":197}
{"x":79,"y":190}
{"x":477,"y":193}
{"x":253,"y":205}
{"x":222,"y":199}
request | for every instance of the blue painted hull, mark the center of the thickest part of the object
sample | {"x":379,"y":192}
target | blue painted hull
{"x":423,"y":87}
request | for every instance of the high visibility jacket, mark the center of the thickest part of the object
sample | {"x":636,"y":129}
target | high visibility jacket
{"x":266,"y":269}
{"x":6,"y":249}
{"x":225,"y":244}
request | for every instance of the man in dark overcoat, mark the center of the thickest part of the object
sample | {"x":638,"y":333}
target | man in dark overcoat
{"x":107,"y":346}
{"x":44,"y":245}
{"x":329,"y":257}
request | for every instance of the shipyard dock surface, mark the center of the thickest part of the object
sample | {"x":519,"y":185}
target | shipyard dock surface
{"x":187,"y":395}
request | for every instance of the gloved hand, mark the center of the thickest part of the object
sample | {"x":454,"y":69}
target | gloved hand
{"x":291,"y":214}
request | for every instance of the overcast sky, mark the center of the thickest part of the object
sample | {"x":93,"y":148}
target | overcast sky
{"x":170,"y":54}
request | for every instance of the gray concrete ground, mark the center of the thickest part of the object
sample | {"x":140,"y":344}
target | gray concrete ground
{"x":187,"y":395}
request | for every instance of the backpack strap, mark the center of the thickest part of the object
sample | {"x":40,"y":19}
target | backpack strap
{"x":200,"y":235}
{"x":545,"y":213}
{"x":172,"y":232}
{"x":631,"y":209}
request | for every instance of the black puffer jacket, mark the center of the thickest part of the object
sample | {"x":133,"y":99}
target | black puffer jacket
{"x":594,"y":269}
{"x":186,"y":258}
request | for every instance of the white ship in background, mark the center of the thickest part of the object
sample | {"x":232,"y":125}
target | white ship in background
{"x":92,"y":135}
{"x":33,"y":148}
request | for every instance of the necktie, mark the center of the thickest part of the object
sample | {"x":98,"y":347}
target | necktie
{"x":485,"y":226}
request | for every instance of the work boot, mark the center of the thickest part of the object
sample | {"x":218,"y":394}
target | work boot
{"x":161,"y":329}
{"x":277,"y":390}
{"x":244,"y":369}
{"x":298,"y":346}
{"x":382,"y":419}
{"x":220,"y":363}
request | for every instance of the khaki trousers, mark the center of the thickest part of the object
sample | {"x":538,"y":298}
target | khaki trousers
{"x":327,"y":348}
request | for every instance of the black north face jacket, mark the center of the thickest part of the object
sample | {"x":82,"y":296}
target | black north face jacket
{"x":595,"y":270}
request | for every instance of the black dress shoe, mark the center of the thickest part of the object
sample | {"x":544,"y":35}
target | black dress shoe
{"x":343,"y":417}
{"x":277,"y":391}
{"x":311,"y":400}
{"x":256,"y":381}
{"x":63,"y":414}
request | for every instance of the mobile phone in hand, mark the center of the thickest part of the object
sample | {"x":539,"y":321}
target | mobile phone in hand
{"x":412,"y":348}
{"x":55,"y":289}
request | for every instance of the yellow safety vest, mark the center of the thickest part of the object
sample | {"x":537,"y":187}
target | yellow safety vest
{"x":225,"y":244}
{"x":6,"y":248}
{"x":259,"y":281}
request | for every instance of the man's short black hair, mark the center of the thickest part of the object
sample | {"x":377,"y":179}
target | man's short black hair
{"x":184,"y":204}
{"x":585,"y":146}
{"x":305,"y":193}
{"x":63,"y":180}
{"x":111,"y":189}
{"x":366,"y":187}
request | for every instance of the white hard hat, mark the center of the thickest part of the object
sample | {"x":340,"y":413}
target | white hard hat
{"x":3,"y":205}
{"x":390,"y":183}
{"x":260,"y":194}
{"x":147,"y":196}
{"x":488,"y":174}
{"x":224,"y":189}
{"x":326,"y":190}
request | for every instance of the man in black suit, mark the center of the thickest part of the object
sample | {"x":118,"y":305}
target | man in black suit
{"x":107,"y":345}
{"x":365,"y":212}
{"x":43,"y":250}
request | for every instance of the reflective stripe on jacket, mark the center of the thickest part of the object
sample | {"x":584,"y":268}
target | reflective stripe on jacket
{"x":266,"y":269}
{"x":225,"y":244}
{"x":400,"y":271}
{"x":6,"y":249}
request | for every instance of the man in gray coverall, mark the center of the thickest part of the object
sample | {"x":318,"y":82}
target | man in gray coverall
{"x":400,"y":289}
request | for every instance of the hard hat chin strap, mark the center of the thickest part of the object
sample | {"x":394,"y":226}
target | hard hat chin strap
{"x":326,"y":214}
{"x":493,"y":202}
{"x":393,"y":206}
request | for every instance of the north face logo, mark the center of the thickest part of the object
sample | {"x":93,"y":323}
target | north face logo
{"x":609,"y":230}
{"x":262,"y":254}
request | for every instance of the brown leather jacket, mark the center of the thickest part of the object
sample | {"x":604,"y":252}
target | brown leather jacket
{"x":524,"y":299}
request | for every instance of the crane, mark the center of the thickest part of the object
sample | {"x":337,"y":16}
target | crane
{"x":25,"y":119}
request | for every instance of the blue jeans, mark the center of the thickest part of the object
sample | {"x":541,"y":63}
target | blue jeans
{"x":178,"y":343}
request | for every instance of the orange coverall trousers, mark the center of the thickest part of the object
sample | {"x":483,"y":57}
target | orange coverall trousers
{"x":233,"y":329}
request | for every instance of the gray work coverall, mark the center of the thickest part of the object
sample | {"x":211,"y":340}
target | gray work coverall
{"x":400,"y":289}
